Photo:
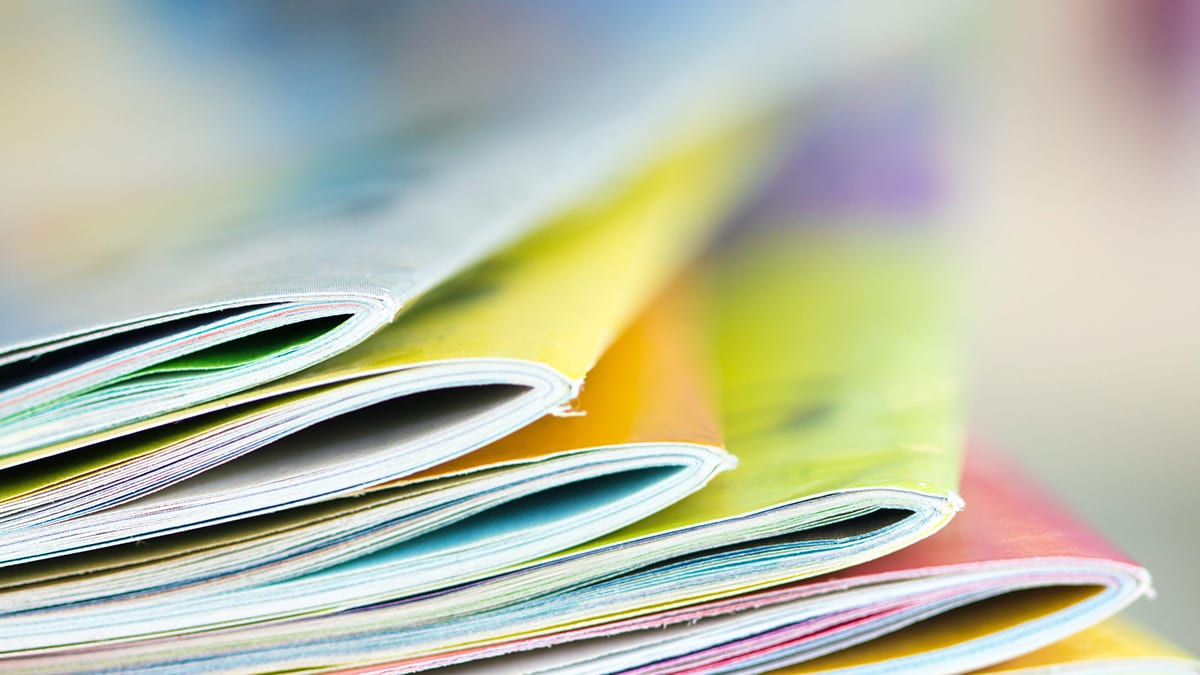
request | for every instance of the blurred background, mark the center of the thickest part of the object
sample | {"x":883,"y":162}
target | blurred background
{"x":1058,"y":142}
{"x":1081,"y":187}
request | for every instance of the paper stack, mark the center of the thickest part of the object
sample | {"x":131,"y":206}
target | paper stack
{"x":548,"y":384}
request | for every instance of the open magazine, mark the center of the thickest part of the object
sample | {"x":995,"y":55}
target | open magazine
{"x":793,"y":508}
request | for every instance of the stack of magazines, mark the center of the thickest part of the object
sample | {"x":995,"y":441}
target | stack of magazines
{"x":575,"y":355}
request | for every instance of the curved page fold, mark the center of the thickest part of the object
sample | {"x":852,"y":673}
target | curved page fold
{"x":1012,"y":573}
{"x":873,"y":471}
{"x":1114,"y":646}
{"x":94,"y":360}
{"x":667,"y":436}
{"x":495,"y":349}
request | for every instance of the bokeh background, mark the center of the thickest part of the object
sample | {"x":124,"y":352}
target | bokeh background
{"x":1081,"y":187}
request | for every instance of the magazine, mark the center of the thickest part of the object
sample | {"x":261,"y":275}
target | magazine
{"x":500,"y":346}
{"x":794,"y":507}
{"x":338,"y":243}
{"x":1011,"y":574}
